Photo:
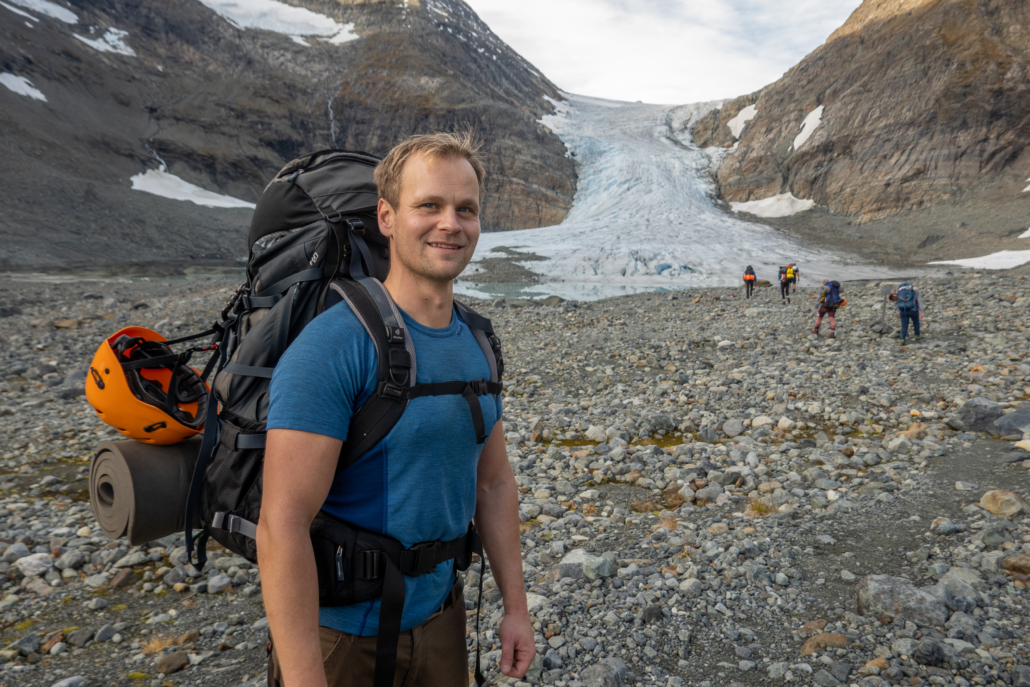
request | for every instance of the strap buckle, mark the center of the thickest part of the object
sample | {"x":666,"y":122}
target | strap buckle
{"x":423,"y":558}
{"x":480,"y":387}
{"x":395,"y":335}
{"x":356,"y":226}
{"x":371,"y":565}
{"x":227,"y":521}
{"x":390,"y":390}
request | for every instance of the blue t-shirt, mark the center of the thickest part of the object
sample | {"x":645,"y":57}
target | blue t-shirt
{"x":419,"y":483}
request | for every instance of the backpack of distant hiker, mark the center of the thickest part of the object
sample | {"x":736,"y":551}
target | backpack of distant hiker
{"x":783,"y":274}
{"x":832,"y":299}
{"x":749,"y":274}
{"x":906,"y":297}
{"x":790,"y":272}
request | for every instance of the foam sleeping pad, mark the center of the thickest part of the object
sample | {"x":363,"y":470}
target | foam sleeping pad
{"x":139,"y":490}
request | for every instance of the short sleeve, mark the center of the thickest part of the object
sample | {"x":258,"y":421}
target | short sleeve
{"x":323,"y":376}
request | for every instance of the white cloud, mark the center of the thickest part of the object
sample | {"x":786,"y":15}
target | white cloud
{"x":663,"y":51}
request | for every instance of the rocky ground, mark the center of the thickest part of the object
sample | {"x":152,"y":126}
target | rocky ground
{"x":711,"y":495}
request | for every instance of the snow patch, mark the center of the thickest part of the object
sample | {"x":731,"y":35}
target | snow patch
{"x":50,"y":9}
{"x":738,"y":123}
{"x":20,"y":13}
{"x":269,"y":15}
{"x":1002,"y":260}
{"x":21,"y":86}
{"x":1028,"y":187}
{"x":161,"y":183}
{"x":814,"y":118}
{"x":1024,"y":235}
{"x":112,"y":41}
{"x":777,"y":206}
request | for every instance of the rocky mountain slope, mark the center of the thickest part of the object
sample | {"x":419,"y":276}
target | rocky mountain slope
{"x":97,"y":93}
{"x":910,"y":105}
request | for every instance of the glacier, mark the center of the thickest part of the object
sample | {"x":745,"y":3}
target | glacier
{"x":645,"y":216}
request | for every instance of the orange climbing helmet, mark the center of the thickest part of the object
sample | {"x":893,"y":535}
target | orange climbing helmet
{"x":144,"y":390}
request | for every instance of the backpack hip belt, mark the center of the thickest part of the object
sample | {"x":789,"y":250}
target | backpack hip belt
{"x":355,"y":565}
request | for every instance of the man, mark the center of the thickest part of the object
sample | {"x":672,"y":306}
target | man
{"x":829,"y":301}
{"x":423,"y":482}
{"x":796,"y":279}
{"x":749,"y":280}
{"x":784,"y":285}
{"x":910,"y":307}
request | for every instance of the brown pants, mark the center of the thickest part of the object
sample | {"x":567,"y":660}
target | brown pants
{"x":432,"y":654}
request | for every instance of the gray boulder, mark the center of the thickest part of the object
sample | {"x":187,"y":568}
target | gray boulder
{"x":15,"y":551}
{"x":733,"y":428}
{"x":928,"y":653}
{"x":73,"y":559}
{"x":895,"y":597}
{"x":74,"y":681}
{"x":979,"y":414}
{"x":29,"y":644}
{"x":1014,"y":423}
{"x":611,"y":672}
{"x":579,"y":564}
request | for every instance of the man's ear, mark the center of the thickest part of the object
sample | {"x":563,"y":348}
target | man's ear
{"x":385,"y":216}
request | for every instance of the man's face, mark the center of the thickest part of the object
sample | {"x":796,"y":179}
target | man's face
{"x":434,"y":230}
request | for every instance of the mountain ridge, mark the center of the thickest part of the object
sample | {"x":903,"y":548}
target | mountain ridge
{"x":225,"y":105}
{"x":926,"y":104}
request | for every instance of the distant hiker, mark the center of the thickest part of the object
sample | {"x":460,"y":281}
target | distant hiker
{"x":791,"y":274}
{"x":829,"y":301}
{"x":784,"y":286}
{"x":796,"y":278}
{"x":910,"y":307}
{"x":749,"y":280}
{"x":403,"y":510}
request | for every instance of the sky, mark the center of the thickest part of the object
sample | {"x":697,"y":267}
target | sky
{"x":663,"y":51}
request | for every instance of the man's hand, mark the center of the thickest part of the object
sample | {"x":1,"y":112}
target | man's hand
{"x":518,"y":647}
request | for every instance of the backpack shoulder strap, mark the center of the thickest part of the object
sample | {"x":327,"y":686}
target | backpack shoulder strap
{"x":397,"y":367}
{"x":483,"y":330}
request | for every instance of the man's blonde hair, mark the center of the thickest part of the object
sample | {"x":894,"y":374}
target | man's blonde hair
{"x":433,"y":146}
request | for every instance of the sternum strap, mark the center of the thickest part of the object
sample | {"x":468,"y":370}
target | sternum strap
{"x":470,"y":391}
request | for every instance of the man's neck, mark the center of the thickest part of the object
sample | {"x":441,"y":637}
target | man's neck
{"x":427,"y":302}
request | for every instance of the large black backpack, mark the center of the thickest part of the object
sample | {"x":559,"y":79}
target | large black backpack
{"x":314,"y":242}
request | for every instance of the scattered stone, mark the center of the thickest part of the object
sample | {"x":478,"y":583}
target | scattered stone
{"x":1004,"y":504}
{"x":824,"y":640}
{"x":979,"y":414}
{"x":172,"y":663}
{"x":895,"y":597}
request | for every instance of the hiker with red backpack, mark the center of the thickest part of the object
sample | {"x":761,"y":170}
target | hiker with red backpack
{"x":829,"y":301}
{"x":910,"y":307}
{"x":785,"y":282}
{"x":749,"y":281}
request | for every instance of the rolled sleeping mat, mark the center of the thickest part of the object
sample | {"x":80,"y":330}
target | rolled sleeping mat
{"x":139,"y":490}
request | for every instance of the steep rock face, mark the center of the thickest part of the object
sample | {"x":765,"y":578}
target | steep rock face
{"x":923,"y":101}
{"x":224,"y":105}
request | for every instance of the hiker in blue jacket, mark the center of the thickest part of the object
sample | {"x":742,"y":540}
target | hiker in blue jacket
{"x":910,"y":307}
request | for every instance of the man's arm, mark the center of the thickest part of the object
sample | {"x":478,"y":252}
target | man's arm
{"x":298,"y":472}
{"x":497,"y":520}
